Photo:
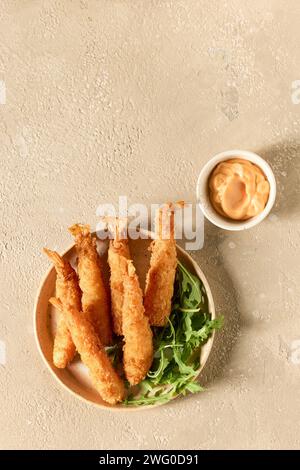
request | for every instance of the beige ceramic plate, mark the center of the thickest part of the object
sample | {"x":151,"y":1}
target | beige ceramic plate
{"x":75,"y":377}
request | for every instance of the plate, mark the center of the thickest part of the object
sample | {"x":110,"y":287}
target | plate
{"x":75,"y":377}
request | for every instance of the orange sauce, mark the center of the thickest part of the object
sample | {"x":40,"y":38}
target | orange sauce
{"x":238,"y":189}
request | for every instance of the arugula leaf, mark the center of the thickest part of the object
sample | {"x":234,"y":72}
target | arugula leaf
{"x":177,"y":345}
{"x":114,"y":352}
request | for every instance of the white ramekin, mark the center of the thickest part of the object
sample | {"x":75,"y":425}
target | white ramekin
{"x":203,"y":197}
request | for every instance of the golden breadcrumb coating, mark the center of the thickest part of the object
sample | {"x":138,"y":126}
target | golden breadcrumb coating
{"x":68,"y":291}
{"x":160,"y":281}
{"x":138,"y":348}
{"x":118,"y":254}
{"x":104,"y":377}
{"x":95,"y":300}
{"x":161,"y":275}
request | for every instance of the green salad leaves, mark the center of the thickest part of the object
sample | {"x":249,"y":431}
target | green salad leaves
{"x":177,"y":345}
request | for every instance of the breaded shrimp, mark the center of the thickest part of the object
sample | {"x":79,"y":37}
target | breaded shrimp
{"x":118,"y":254}
{"x":161,"y":275}
{"x":95,"y":301}
{"x":138,"y":348}
{"x":68,"y":291}
{"x":105,"y":379}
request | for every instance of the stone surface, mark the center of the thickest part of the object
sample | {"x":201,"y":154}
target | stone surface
{"x":101,"y":98}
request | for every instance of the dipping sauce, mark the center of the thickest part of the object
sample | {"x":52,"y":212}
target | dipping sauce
{"x":238,"y":189}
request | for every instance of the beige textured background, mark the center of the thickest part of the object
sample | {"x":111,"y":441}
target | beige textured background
{"x":132,"y":97}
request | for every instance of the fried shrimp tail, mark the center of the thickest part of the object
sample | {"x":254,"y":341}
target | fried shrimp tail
{"x":105,"y":379}
{"x":118,"y":254}
{"x":68,"y":291}
{"x":95,"y":301}
{"x":161,"y":275}
{"x":138,"y":348}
